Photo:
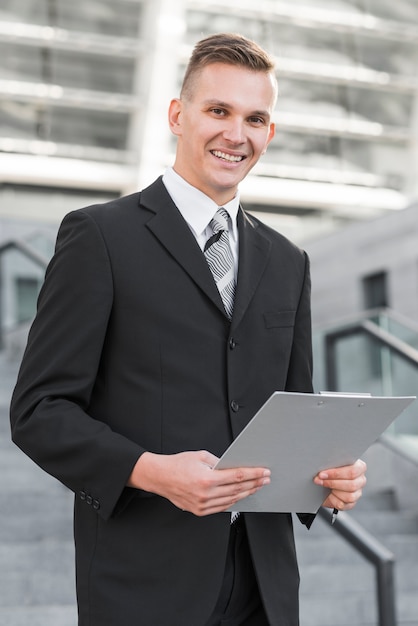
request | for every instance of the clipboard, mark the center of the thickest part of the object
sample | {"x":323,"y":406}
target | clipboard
{"x":296,"y":435}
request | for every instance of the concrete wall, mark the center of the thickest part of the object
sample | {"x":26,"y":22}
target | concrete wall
{"x":341,"y":260}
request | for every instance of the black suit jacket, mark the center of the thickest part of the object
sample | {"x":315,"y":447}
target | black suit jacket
{"x":131,"y":350}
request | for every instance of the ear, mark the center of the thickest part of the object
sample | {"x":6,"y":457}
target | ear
{"x":174,"y":116}
{"x":272,"y":132}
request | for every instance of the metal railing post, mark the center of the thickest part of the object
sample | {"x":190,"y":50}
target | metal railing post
{"x":386,"y":593}
{"x":375,"y":552}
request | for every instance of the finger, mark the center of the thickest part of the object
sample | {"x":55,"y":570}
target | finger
{"x":223,"y":502}
{"x":219,"y":497}
{"x":243,"y":475}
{"x":224,"y":496}
{"x":347,"y":472}
{"x":237,"y":491}
{"x":342,"y":500}
{"x":343,"y":486}
{"x":208,"y":458}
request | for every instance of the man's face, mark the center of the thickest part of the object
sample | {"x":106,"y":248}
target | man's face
{"x":223,"y":128}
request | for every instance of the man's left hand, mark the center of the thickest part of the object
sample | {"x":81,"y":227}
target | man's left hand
{"x":346,"y":484}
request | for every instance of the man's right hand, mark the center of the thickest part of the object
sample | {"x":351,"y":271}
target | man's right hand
{"x":189,"y":481}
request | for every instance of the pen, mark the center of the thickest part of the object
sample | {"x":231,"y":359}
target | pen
{"x":334,"y":516}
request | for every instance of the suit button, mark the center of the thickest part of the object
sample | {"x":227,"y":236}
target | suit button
{"x":89,"y":500}
{"x":232,"y":344}
{"x":234,"y":406}
{"x":82,"y":495}
{"x":96,"y":505}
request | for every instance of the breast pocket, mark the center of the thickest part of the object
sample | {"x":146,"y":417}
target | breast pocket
{"x":279,"y":319}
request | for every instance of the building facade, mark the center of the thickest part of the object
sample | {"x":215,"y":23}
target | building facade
{"x":85,"y":87}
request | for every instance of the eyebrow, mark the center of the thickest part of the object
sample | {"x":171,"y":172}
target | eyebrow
{"x":225,"y":105}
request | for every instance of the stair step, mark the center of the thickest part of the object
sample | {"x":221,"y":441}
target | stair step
{"x":382,"y":523}
{"x":353,"y":577}
{"x":382,"y":500}
{"x":45,"y":554}
{"x":407,"y":608}
{"x":337,"y":609}
{"x":37,"y":573}
{"x":5,"y":434}
{"x":353,"y":609}
{"x":28,"y":519}
{"x":19,"y":474}
{"x":332,"y":549}
{"x":38,"y":616}
{"x":404,"y":548}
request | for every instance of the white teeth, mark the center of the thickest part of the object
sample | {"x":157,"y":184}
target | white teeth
{"x":227,"y":157}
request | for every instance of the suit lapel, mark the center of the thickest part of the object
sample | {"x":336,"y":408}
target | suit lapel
{"x":254,"y":252}
{"x":170,"y":228}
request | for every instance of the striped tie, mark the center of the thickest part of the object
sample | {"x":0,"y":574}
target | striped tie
{"x":221,"y":262}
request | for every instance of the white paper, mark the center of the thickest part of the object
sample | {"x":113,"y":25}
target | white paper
{"x":296,"y":435}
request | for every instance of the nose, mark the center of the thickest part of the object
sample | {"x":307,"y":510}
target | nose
{"x":234,"y":131}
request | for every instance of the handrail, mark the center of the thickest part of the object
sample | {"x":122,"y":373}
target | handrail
{"x":367,"y":314}
{"x":395,"y":445}
{"x":385,"y":338}
{"x":388,"y":339}
{"x":28,"y":251}
{"x":376,"y":553}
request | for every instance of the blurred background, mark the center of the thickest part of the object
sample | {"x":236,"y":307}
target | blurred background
{"x":84,"y":91}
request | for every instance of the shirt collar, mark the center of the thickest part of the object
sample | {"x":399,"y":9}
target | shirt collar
{"x":195,"y":206}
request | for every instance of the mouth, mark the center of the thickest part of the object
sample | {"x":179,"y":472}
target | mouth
{"x":230,"y":158}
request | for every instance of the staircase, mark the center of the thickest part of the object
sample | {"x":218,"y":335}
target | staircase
{"x":36,"y":549}
{"x":338,"y":586}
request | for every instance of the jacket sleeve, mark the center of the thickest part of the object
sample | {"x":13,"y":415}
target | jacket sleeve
{"x":49,"y":408}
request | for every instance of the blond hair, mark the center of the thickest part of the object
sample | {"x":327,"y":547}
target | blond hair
{"x":228,"y":48}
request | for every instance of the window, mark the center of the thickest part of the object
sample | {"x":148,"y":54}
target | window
{"x":375,"y":291}
{"x":27,"y":290}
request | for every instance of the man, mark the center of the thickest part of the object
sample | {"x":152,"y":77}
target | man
{"x":138,"y":375}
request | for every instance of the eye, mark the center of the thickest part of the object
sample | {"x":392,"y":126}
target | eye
{"x":255,"y":119}
{"x":218,"y":111}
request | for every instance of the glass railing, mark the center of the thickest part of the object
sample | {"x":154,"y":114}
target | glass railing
{"x":375,"y":353}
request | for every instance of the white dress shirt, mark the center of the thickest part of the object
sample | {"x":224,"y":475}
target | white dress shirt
{"x":198,"y":210}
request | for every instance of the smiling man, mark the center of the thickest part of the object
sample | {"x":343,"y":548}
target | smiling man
{"x":223,"y":124}
{"x":166,"y":319}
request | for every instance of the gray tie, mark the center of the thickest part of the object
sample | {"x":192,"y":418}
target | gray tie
{"x":218,"y":254}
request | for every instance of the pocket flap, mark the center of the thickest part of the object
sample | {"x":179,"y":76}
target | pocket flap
{"x":279,"y":319}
